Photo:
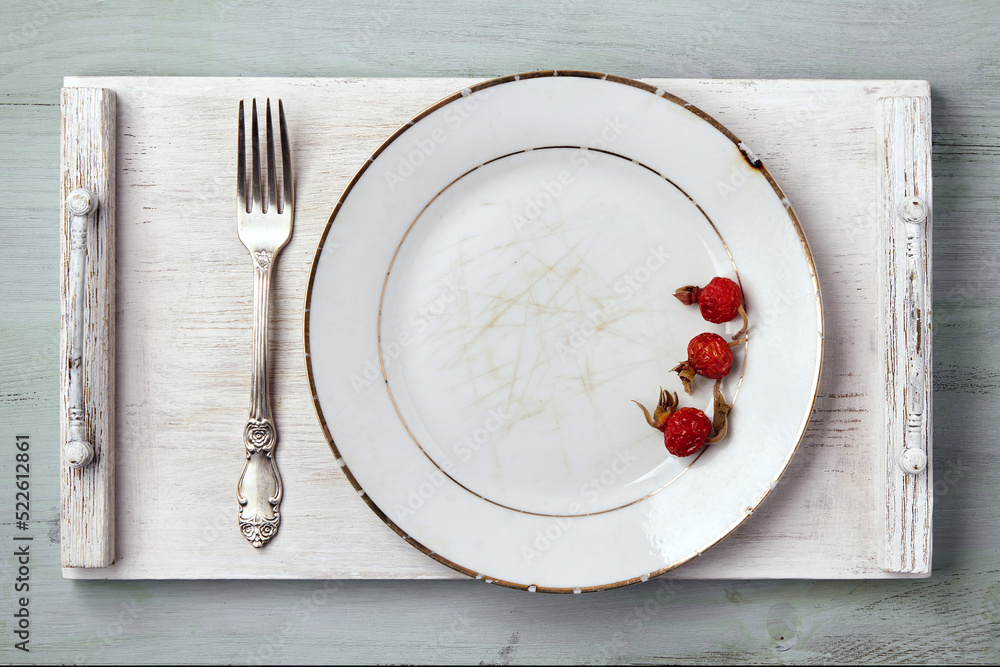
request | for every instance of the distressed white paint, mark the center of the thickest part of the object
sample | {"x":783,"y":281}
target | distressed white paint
{"x":904,"y":210}
{"x":87,"y":342}
{"x":182,"y":306}
{"x":80,"y":203}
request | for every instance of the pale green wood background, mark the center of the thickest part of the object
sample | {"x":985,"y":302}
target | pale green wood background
{"x":952,"y":617}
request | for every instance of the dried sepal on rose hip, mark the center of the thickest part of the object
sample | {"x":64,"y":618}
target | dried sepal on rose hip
{"x":709,"y":355}
{"x":687,"y":430}
{"x":720,"y":416}
{"x":720,"y":301}
{"x":666,"y":406}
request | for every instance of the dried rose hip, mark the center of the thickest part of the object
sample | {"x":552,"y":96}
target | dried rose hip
{"x":687,"y":430}
{"x":709,"y":355}
{"x":721,"y":300}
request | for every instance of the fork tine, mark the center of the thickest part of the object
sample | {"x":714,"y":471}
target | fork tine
{"x":272,"y":183}
{"x":255,"y":184}
{"x":286,"y":160}
{"x":241,"y":164}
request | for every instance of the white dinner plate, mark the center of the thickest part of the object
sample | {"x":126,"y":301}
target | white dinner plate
{"x":493,"y":290}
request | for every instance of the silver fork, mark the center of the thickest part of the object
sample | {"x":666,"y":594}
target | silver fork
{"x":264,"y":228}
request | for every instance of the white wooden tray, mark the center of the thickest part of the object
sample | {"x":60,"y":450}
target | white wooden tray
{"x":159,"y":154}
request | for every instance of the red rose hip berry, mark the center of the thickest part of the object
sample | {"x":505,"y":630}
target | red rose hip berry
{"x":686,"y":431}
{"x":720,"y":301}
{"x":709,"y":355}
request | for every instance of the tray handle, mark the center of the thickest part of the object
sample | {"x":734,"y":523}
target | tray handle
{"x":87,"y":340}
{"x":904,"y":216}
{"x":77,"y":450}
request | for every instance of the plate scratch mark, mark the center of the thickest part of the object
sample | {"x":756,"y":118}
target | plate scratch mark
{"x":462,"y":329}
{"x":568,"y":277}
{"x":466,"y":348}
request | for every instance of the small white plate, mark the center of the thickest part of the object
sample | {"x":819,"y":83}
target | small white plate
{"x":495,"y":287}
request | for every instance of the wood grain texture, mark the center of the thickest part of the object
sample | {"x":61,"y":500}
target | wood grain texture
{"x":88,"y":493}
{"x":904,"y":193}
{"x":184,"y":319}
{"x":950,"y":618}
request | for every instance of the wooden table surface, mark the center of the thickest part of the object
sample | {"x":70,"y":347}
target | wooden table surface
{"x":952,"y":617}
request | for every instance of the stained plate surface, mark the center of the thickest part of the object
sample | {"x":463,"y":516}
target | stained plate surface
{"x":493,"y":290}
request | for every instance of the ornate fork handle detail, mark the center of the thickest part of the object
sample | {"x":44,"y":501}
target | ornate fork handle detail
{"x":259,"y":489}
{"x":264,"y":225}
{"x":260,"y":522}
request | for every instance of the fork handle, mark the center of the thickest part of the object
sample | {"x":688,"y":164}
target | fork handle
{"x":259,"y":488}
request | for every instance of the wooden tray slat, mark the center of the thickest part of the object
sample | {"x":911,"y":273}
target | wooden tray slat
{"x":88,"y":494}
